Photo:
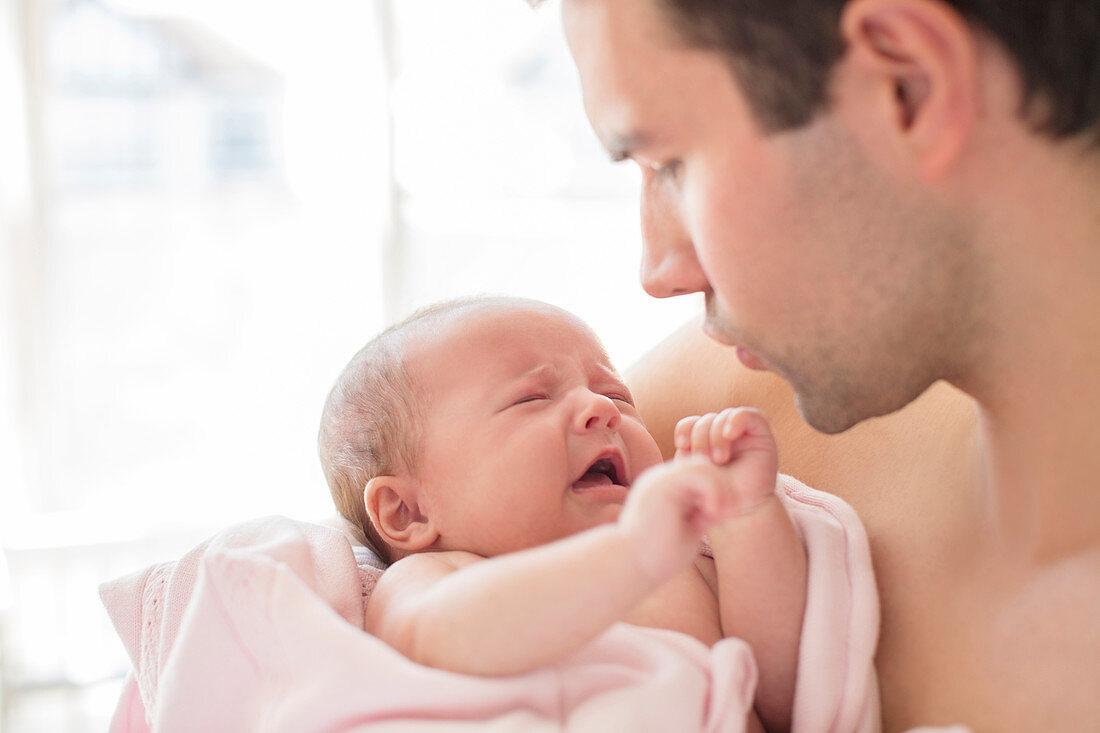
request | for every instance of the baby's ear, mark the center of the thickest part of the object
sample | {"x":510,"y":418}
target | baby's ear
{"x":394,"y":505}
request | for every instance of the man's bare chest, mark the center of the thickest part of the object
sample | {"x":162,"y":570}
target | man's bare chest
{"x":997,"y":654}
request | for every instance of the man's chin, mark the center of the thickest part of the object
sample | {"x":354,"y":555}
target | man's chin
{"x":833,"y":416}
{"x":829,"y":425}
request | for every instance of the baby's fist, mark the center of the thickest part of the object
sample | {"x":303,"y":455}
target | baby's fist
{"x":669,"y":509}
{"x":739,"y":438}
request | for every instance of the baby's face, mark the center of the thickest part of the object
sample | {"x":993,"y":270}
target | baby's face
{"x":530,"y":434}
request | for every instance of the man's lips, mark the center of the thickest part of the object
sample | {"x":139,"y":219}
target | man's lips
{"x":749,"y":359}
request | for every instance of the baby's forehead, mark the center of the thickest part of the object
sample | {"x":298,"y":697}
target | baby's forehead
{"x":509,"y":337}
{"x":510,"y":324}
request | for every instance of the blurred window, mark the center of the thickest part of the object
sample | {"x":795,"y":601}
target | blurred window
{"x":222,"y":201}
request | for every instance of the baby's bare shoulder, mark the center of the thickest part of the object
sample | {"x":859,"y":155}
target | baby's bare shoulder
{"x":406,"y":583}
{"x":431,"y":564}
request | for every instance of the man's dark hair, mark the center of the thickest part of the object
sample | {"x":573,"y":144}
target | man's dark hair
{"x":782,"y":51}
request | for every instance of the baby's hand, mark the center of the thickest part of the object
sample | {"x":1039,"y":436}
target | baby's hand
{"x":669,"y":509}
{"x":739,"y":438}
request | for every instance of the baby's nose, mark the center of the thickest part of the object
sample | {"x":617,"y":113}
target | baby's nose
{"x":598,"y":413}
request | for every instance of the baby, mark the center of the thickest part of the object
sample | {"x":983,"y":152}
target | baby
{"x":490,"y":452}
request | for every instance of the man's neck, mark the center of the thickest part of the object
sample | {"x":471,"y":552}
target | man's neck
{"x":1039,"y":393}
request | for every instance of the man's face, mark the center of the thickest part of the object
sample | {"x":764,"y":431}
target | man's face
{"x":814,"y":263}
{"x":530,"y":434}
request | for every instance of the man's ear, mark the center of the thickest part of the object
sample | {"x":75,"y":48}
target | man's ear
{"x":397,"y":510}
{"x":912,"y":68}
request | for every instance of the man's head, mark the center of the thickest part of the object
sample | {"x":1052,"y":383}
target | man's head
{"x":516,"y":431}
{"x":813,"y":167}
{"x":782,"y":53}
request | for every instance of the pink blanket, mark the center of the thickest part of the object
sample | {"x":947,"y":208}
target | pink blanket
{"x":261,"y":628}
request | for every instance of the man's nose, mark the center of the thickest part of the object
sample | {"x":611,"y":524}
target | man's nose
{"x":596,"y":412}
{"x":669,"y":265}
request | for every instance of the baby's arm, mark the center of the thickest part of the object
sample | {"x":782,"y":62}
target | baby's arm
{"x":759,"y":558}
{"x":527,"y":609}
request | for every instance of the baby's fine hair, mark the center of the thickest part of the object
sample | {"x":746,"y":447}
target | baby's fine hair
{"x":372,"y":421}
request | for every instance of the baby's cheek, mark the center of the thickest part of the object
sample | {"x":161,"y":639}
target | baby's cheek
{"x":644,"y":453}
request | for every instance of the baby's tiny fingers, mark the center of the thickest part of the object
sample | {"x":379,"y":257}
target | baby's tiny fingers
{"x":700,"y":433}
{"x":720,"y":451}
{"x":733,"y":422}
{"x":742,"y":421}
{"x":681,"y":436}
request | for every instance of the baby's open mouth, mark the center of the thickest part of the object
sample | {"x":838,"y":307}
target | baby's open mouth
{"x":601,"y":473}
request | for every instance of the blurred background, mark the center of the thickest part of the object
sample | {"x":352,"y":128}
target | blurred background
{"x":206,"y":206}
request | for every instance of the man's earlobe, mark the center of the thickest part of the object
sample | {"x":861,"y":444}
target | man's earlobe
{"x":923,"y":55}
{"x":398,"y":513}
